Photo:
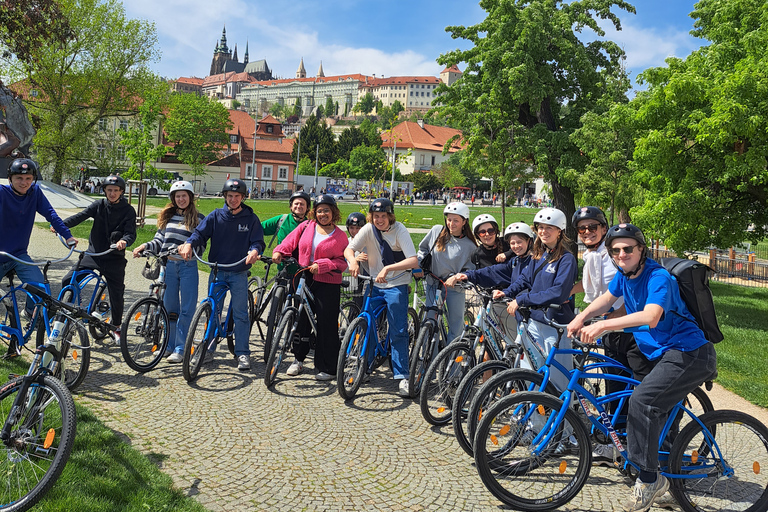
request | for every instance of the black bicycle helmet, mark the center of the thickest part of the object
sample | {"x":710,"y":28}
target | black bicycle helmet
{"x":114,"y":180}
{"x":23,"y":166}
{"x":627,"y":231}
{"x":356,"y":219}
{"x":325,"y":199}
{"x":587,"y":213}
{"x":301,"y":195}
{"x":235,"y":185}
{"x":382,"y":205}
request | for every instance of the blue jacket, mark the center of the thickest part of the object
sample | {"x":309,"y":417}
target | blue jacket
{"x":551,"y":285}
{"x":17,"y":216}
{"x":501,"y":275}
{"x":232,"y":236}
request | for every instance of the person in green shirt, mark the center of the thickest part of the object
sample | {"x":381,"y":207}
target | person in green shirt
{"x":282,"y":225}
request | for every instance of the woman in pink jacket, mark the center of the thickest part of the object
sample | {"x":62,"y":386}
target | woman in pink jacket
{"x":321,"y":248}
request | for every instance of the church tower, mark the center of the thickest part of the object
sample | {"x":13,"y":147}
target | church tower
{"x":234,"y":55}
{"x":221,"y":54}
{"x":301,"y":72}
{"x":320,"y":71}
{"x":245,"y":58}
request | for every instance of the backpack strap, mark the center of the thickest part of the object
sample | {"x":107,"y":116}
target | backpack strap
{"x":279,"y":225}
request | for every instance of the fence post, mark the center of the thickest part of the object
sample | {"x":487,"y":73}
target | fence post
{"x":713,"y":258}
{"x":751,"y":266}
{"x":731,"y":261}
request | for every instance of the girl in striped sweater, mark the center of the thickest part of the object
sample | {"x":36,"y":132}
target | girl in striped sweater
{"x":174,"y":225}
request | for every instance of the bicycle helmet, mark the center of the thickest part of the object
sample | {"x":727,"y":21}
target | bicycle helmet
{"x":356,"y":219}
{"x":587,"y":213}
{"x":382,"y":205}
{"x":182,"y":186}
{"x":482,"y":219}
{"x":22,"y":166}
{"x":457,"y":208}
{"x":519,"y":228}
{"x":325,"y":199}
{"x":626,"y":230}
{"x":300,"y":194}
{"x":551,"y":217}
{"x":234,"y":185}
{"x":116,"y":181}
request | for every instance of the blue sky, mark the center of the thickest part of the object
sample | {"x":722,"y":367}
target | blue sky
{"x":362,"y":36}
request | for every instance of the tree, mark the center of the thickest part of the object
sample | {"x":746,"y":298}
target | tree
{"x":397,"y":107}
{"x":197,"y":127}
{"x":365,"y":135}
{"x":449,"y":174}
{"x":526,"y":64}
{"x":312,"y":134}
{"x":338,"y":169}
{"x":366,"y":104}
{"x":702,"y":155}
{"x":367,"y":163}
{"x":297,"y":108}
{"x":277,"y":111}
{"x":98,"y":73}
{"x":139,"y":140}
{"x":319,"y":112}
{"x":424,"y":181}
{"x":26,"y":25}
{"x":331,"y":109}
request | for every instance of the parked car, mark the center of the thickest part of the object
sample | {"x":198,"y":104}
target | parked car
{"x":344,"y":195}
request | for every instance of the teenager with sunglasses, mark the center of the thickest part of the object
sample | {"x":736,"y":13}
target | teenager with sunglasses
{"x":492,"y":249}
{"x":683,"y":357}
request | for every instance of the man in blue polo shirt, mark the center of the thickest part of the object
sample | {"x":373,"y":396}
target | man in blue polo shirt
{"x":683,"y":358}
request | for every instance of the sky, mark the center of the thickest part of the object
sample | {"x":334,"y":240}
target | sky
{"x":392,"y":38}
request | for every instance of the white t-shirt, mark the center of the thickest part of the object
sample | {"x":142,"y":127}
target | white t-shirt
{"x":598,"y":274}
{"x":398,"y":239}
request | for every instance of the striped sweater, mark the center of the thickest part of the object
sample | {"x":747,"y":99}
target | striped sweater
{"x":174,"y":234}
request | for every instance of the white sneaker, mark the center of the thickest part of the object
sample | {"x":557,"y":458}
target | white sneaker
{"x":644,"y":495}
{"x":323,"y":376}
{"x":295,"y":368}
{"x":175,"y":357}
{"x":603,"y":455}
{"x":243,"y":363}
{"x":403,"y":389}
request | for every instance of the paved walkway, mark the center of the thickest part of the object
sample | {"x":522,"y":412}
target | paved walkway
{"x":236,"y":446}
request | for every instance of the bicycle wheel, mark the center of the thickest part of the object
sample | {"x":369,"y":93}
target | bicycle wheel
{"x":102,"y":295}
{"x":352,"y":358}
{"x":724,"y":469}
{"x":465,"y":392}
{"x":275,"y":309}
{"x":256,"y":286}
{"x":280,"y":346}
{"x":522,"y":470}
{"x":442,"y":378}
{"x":413,"y":327}
{"x":500,"y":385}
{"x":144,"y":334}
{"x":75,"y":355}
{"x":196,"y":344}
{"x":40,"y":443}
{"x":348,"y":312}
{"x":421,"y":356}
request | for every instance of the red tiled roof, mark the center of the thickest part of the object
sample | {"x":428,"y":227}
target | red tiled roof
{"x":452,"y":69}
{"x":225,"y":78}
{"x":410,"y":135}
{"x":315,"y":79}
{"x":192,"y":80}
{"x":398,"y":80}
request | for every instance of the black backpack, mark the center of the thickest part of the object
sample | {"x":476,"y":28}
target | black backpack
{"x":693,"y":281}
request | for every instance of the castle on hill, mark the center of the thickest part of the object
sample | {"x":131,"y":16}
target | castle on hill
{"x":225,"y":61}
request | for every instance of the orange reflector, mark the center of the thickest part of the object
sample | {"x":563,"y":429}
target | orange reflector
{"x":540,"y":409}
{"x":459,"y":359}
{"x":350,"y":381}
{"x":563,"y":465}
{"x":137,"y":316}
{"x":504,"y":430}
{"x":441,"y":409}
{"x":756,"y":467}
{"x":511,"y":391}
{"x":480,"y":415}
{"x":191,"y":350}
{"x":74,"y":355}
{"x":482,"y":336}
{"x":153,"y":349}
{"x":494,"y":440}
{"x":49,"y":438}
{"x":103,"y":296}
{"x":694,"y":456}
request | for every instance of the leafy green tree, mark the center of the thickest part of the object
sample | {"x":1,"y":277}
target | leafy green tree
{"x":312,"y":134}
{"x":338,"y":169}
{"x":366,"y":104}
{"x":97,"y":73}
{"x":424,"y":181}
{"x":525,"y":64}
{"x":306,"y":167}
{"x":139,"y":140}
{"x":197,"y":127}
{"x":371,"y":133}
{"x":397,"y":107}
{"x":349,"y":139}
{"x":277,"y":111}
{"x":319,"y":112}
{"x":449,"y":174}
{"x":367,"y":163}
{"x":703,"y":156}
{"x":297,"y":108}
{"x":27,"y":25}
{"x":331,"y":109}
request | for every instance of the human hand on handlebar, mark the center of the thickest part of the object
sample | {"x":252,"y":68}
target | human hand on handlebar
{"x":276,"y":257}
{"x":354,"y":268}
{"x":382,"y":276}
{"x":252,"y":257}
{"x":590,"y":333}
{"x":451,"y":281}
{"x":512,"y":307}
{"x":185,"y":251}
{"x":498,"y":294}
{"x":314,"y":268}
{"x":120,"y":245}
{"x":137,"y":251}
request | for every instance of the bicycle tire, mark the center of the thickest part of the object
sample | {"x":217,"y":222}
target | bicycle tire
{"x":275,"y":307}
{"x":466,"y":390}
{"x":353,"y":360}
{"x":144,"y":334}
{"x":256,"y":285}
{"x":505,"y":461}
{"x":510,"y":381}
{"x":742,"y":447}
{"x":45,"y":432}
{"x":440,"y":383}
{"x":75,"y":361}
{"x":196,"y":344}
{"x":421,"y":356}
{"x":347,"y":312}
{"x":413,"y":327}
{"x":98,"y":332}
{"x":281,"y":344}
{"x":230,"y":332}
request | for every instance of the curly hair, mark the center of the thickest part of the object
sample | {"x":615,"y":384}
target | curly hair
{"x":335,"y":213}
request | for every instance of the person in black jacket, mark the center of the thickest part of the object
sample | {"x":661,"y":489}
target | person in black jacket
{"x":114,"y":222}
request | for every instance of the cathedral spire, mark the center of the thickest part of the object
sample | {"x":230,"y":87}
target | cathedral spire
{"x":245,"y":59}
{"x":234,"y":55}
{"x":301,"y":72}
{"x":320,"y":71}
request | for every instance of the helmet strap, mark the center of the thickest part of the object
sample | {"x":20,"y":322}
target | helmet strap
{"x":299,"y":218}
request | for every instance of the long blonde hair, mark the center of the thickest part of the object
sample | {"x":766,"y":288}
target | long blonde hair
{"x":191,"y":217}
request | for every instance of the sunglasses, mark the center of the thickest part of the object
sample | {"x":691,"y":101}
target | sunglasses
{"x":615,"y":251}
{"x":490,"y":231}
{"x":589,"y":227}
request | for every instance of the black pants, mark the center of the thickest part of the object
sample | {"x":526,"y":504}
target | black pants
{"x":112,"y":268}
{"x":621,"y":346}
{"x":327,"y":343}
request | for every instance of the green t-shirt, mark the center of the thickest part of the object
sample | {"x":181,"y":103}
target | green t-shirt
{"x":270,"y":227}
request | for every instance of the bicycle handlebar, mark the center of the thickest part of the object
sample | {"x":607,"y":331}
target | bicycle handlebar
{"x":286,"y":261}
{"x":219,"y":265}
{"x":162,"y":254}
{"x":112,"y":248}
{"x":76,"y":311}
{"x":41,"y":263}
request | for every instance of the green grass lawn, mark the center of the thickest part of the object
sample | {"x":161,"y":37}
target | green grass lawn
{"x":105,"y":473}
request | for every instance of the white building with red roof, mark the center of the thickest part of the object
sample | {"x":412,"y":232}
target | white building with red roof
{"x":420,"y":146}
{"x":188,"y":84}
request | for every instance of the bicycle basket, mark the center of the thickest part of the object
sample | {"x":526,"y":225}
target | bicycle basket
{"x":151,"y":269}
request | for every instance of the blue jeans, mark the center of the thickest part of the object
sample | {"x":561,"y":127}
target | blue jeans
{"x":546,"y":337}
{"x":180,"y":298}
{"x":397,"y":319}
{"x":26,"y":273}
{"x":455,"y":301}
{"x":238,"y":289}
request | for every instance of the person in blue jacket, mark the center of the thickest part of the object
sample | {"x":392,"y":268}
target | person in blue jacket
{"x":235,"y":232}
{"x":683,"y":357}
{"x":548,"y":279}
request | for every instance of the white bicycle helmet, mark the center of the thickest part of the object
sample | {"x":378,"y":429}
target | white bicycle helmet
{"x":519,"y":228}
{"x":181,"y":185}
{"x":482,"y":219}
{"x":457,"y":208}
{"x":552,"y":217}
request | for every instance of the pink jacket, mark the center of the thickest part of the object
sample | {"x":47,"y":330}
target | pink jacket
{"x":329,"y":254}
